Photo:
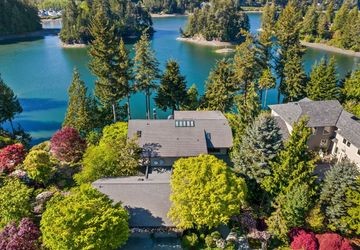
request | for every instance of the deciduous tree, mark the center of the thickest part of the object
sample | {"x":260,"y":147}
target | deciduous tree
{"x":204,"y":192}
{"x":11,"y":156}
{"x":67,"y":145}
{"x":84,"y":219}
{"x":113,"y":156}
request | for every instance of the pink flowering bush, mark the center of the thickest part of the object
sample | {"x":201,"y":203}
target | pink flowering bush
{"x":301,"y":239}
{"x":11,"y":156}
{"x":67,"y":145}
{"x":333,"y":241}
{"x":22,"y":237}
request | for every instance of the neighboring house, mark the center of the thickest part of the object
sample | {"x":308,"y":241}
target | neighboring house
{"x":189,"y":133}
{"x":347,"y":140}
{"x":329,"y":122}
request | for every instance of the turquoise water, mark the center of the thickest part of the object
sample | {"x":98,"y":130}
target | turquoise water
{"x":40,"y":71}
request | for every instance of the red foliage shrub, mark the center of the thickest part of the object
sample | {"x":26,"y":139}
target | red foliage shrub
{"x":22,"y":237}
{"x":333,"y":241}
{"x":301,"y":239}
{"x":11,"y":156}
{"x":67,"y":145}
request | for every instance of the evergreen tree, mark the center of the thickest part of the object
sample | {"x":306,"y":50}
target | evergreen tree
{"x":329,"y":13}
{"x":294,"y":82}
{"x":104,"y":60}
{"x":9,"y":104}
{"x":295,"y":164}
{"x":125,"y":74}
{"x":323,"y":27}
{"x":70,"y":32}
{"x":248,"y":65}
{"x":146,"y":69}
{"x":337,"y":181}
{"x":259,"y":146}
{"x":351,"y":93}
{"x":193,"y":102}
{"x":341,"y":16}
{"x":309,"y":24}
{"x":220,"y":87}
{"x":291,"y":207}
{"x":172,"y":90}
{"x":248,"y":108}
{"x":266,"y":81}
{"x":323,"y":81}
{"x":78,"y":114}
{"x":268,"y":19}
{"x":287,"y":33}
{"x":351,"y":220}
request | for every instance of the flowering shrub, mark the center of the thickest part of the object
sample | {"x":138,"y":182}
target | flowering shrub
{"x":301,"y":239}
{"x":333,"y":241}
{"x":11,"y":156}
{"x":67,"y":145}
{"x":22,"y":237}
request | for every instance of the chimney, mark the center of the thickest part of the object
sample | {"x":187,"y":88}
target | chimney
{"x":154,"y":114}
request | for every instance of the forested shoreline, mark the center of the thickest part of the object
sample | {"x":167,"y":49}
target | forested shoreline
{"x":126,"y":18}
{"x":18,"y":17}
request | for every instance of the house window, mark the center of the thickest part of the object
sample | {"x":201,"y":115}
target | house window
{"x":327,"y":130}
{"x":184,"y":123}
{"x":348,"y":144}
{"x":138,"y":133}
{"x":336,"y":150}
{"x":358,"y":152}
{"x":344,"y":141}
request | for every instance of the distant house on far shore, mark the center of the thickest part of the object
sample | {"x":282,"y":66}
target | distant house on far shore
{"x":334,"y":131}
{"x":189,"y":133}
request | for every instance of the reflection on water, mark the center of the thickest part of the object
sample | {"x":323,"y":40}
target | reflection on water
{"x":40,"y":71}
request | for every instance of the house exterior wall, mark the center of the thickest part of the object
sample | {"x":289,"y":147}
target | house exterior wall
{"x":341,"y":150}
{"x":321,"y":139}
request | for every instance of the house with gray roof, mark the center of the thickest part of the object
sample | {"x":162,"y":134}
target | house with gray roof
{"x":188,"y":133}
{"x":146,"y":200}
{"x":329,"y":122}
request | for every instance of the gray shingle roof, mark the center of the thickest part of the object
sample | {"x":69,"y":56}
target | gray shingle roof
{"x":349,"y":127}
{"x":211,"y":130}
{"x":147,"y":201}
{"x":320,"y":113}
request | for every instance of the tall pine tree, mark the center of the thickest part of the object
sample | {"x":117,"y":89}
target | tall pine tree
{"x":172,"y":90}
{"x":294,"y":82}
{"x":259,"y":146}
{"x":220,"y":87}
{"x":104,"y":59}
{"x":295,"y":164}
{"x":266,"y":81}
{"x":146,"y":69}
{"x":323,"y":81}
{"x":78,"y":111}
{"x":351,"y":93}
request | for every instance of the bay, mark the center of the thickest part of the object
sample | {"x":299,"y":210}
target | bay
{"x":40,"y":71}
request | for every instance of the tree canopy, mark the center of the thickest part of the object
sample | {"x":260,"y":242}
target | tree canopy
{"x":204,"y":192}
{"x":17,"y":16}
{"x":219,"y":20}
{"x":84,"y":219}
